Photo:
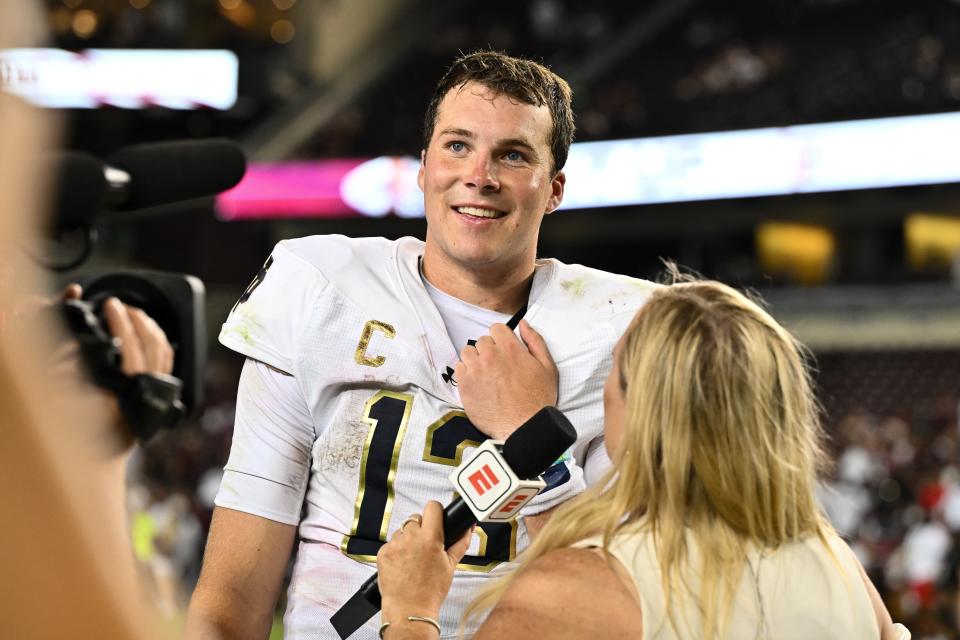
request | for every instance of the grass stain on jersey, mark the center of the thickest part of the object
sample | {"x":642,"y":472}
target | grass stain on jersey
{"x":242,"y":329}
{"x":576,"y":287}
{"x":243,"y":332}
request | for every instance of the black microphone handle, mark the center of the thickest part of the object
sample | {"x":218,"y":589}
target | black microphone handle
{"x":370,"y":591}
{"x":457,"y":519}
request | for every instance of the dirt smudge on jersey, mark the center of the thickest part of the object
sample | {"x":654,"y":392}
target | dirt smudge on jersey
{"x":340,"y":448}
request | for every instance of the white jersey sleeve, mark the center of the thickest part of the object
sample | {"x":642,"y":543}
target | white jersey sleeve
{"x":596,"y":462}
{"x":267,"y":322}
{"x":269,"y":465}
{"x":268,"y":470}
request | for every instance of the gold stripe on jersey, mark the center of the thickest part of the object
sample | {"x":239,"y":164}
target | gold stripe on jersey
{"x":482,"y":550}
{"x":391,"y":474}
{"x":395,"y":459}
{"x":361,"y":356}
{"x":428,"y":445}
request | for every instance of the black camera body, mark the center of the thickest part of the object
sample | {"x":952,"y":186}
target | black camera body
{"x":176,"y":302}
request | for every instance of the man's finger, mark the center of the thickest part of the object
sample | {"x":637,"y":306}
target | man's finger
{"x":504,"y":335}
{"x":484,"y":342}
{"x":536,"y":345}
{"x":468,"y":354}
{"x":159,"y":356}
{"x":71,"y":292}
{"x":120,"y":325}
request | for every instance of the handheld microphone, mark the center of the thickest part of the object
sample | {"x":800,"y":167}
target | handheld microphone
{"x":527,"y":453}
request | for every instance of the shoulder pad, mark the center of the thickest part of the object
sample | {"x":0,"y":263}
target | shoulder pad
{"x":265,"y":322}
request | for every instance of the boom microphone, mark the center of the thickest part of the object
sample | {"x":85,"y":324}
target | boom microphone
{"x":147,"y":175}
{"x":79,"y":188}
{"x":141,"y":176}
{"x":528,"y":452}
{"x":136,"y":177}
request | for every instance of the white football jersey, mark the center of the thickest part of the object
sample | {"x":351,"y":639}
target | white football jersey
{"x":375,"y":426}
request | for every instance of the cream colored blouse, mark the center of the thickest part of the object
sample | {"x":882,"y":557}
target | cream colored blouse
{"x":794,"y":593}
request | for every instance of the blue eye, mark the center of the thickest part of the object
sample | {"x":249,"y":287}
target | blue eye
{"x":515,"y":156}
{"x":456,"y":146}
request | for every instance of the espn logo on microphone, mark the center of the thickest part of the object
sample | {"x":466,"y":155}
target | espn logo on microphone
{"x":483,"y":480}
{"x":490,"y":487}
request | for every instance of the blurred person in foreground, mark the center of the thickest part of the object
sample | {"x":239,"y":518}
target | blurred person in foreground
{"x":708,"y":526}
{"x":67,"y":568}
{"x":373,"y":364}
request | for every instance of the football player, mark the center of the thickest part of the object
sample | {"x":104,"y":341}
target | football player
{"x":374,"y":364}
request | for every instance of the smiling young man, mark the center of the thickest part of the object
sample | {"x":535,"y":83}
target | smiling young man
{"x":373,"y":364}
{"x":488,"y":179}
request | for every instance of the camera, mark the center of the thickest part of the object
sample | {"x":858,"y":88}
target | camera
{"x":149,"y":402}
{"x":138,"y":177}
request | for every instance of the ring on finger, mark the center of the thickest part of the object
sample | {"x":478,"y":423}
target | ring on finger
{"x":413,"y":518}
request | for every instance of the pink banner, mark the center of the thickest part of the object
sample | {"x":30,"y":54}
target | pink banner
{"x":340,"y":188}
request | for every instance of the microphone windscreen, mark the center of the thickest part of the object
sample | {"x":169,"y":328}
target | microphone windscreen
{"x":79,"y":189}
{"x":538,"y":442}
{"x":168,"y":172}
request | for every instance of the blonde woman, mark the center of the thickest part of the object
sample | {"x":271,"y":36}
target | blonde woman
{"x":708,"y":527}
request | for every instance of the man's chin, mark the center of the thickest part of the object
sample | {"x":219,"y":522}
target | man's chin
{"x":477,"y":260}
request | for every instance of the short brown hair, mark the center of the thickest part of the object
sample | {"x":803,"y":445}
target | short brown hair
{"x":523,"y":80}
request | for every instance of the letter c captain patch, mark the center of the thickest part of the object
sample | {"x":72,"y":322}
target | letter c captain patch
{"x":361,"y":356}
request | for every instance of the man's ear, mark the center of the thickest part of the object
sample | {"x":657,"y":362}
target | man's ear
{"x":423,"y":159}
{"x":556,"y":195}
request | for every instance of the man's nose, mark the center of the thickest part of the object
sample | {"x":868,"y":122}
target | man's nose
{"x":482,"y":175}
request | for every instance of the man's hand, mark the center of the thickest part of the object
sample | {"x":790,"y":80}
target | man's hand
{"x":143,"y":345}
{"x":503,"y":381}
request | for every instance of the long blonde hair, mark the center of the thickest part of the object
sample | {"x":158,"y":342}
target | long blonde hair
{"x":721,"y":442}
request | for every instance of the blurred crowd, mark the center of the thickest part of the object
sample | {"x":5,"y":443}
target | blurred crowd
{"x":673,"y":68}
{"x":172,"y":482}
{"x":895,"y":495}
{"x":894,"y":490}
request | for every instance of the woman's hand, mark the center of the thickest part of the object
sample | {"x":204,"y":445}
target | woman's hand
{"x":415,"y":570}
